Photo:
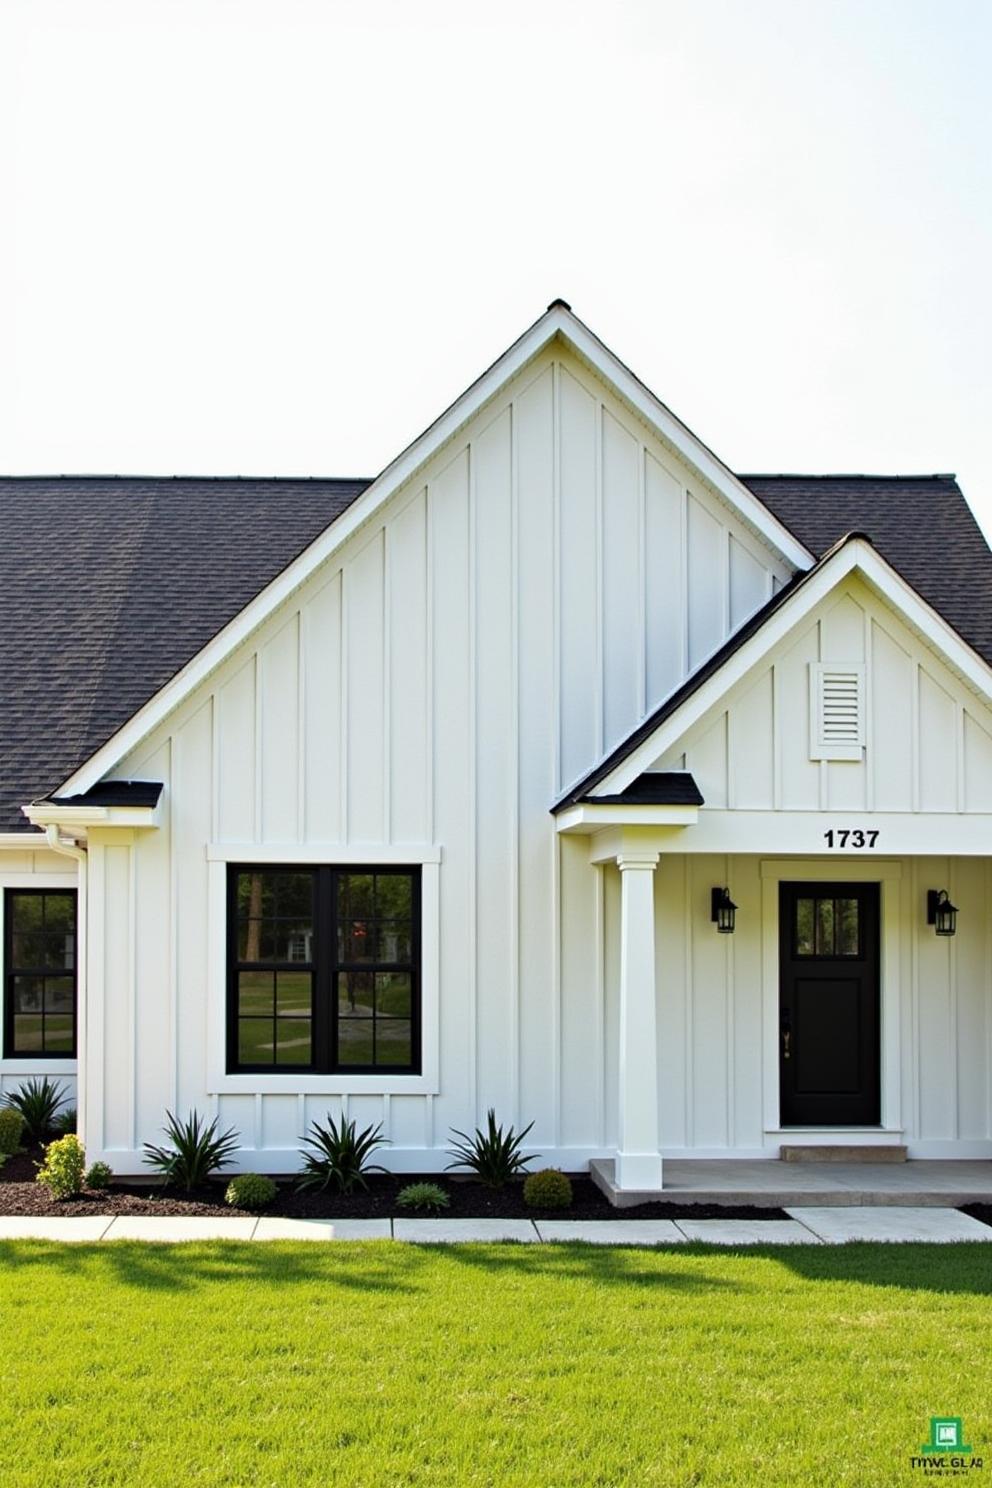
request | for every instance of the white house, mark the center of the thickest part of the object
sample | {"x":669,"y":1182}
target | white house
{"x":419,"y":796}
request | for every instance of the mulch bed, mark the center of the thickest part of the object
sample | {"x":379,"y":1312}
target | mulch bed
{"x":978,"y":1211}
{"x":20,"y":1194}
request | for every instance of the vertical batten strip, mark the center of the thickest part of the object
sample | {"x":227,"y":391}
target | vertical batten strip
{"x":599,"y":680}
{"x":684,"y":606}
{"x":642,"y":581}
{"x":915,"y":985}
{"x":387,"y":673}
{"x":302,"y":640}
{"x":725,"y":585}
{"x":557,"y":931}
{"x":431,"y":824}
{"x":866,"y":703}
{"x":952,"y":1008}
{"x":915,"y":735}
{"x":961,"y":802}
{"x":987,"y":884}
{"x":257,"y":1122}
{"x":174,"y":917}
{"x":556,"y":571}
{"x":345,"y":673}
{"x":257,"y":751}
{"x":473,"y":774}
{"x":776,"y":738}
{"x":215,"y":766}
{"x":132,"y":993}
{"x":514,"y":782}
{"x":729,"y":964}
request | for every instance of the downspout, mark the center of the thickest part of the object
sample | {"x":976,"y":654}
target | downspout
{"x":58,"y":844}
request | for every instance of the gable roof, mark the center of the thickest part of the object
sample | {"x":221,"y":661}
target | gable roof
{"x":921,"y":524}
{"x":118,"y":595}
{"x":109,"y":586}
{"x":855,"y":552}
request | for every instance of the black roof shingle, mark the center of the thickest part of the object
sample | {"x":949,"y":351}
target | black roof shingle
{"x":111,"y":585}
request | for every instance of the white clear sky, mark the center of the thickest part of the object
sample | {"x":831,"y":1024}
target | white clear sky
{"x":279,"y":236}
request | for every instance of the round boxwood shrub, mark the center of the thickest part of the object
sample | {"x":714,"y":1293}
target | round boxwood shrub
{"x":11,"y":1129}
{"x":99,"y":1175}
{"x":63,"y":1168}
{"x":548,"y":1189}
{"x":250,"y":1191}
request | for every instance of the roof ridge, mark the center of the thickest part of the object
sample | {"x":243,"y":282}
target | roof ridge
{"x":845,"y":476}
{"x":349,"y":480}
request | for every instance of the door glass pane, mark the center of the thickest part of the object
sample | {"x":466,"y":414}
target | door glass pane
{"x":824,"y":927}
{"x":805,"y":943}
{"x":846,"y":922}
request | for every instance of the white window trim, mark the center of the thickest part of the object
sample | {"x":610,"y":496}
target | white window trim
{"x":24,"y":1064}
{"x":219,"y":1081}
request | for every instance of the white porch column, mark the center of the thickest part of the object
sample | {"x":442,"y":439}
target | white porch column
{"x":638,"y":1162}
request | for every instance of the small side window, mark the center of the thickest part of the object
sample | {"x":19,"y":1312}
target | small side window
{"x":39,"y":974}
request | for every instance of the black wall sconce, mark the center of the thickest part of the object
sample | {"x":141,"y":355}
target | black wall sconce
{"x":941,"y":913}
{"x":722,"y":911}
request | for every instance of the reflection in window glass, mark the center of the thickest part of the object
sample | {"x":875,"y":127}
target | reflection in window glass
{"x":827,"y":926}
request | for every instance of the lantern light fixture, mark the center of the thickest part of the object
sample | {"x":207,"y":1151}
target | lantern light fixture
{"x":941,"y":913}
{"x":722,"y":911}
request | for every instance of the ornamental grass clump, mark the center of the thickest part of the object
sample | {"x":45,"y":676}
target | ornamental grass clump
{"x":250,"y":1191}
{"x":548,"y":1189}
{"x":38,"y":1102}
{"x":339,"y":1158}
{"x":62,"y":1171}
{"x":427,"y":1198}
{"x":195,"y":1152}
{"x":494,"y":1156}
{"x":11,"y":1130}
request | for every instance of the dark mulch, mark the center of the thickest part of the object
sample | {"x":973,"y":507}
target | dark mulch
{"x":978,"y":1211}
{"x":20,"y":1194}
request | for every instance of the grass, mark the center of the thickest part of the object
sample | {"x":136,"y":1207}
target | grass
{"x":385,"y":1364}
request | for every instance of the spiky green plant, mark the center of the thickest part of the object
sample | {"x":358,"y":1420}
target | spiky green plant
{"x":38,"y":1102}
{"x":195,"y":1151}
{"x":494,"y":1156}
{"x":339,"y":1156}
{"x":429,"y":1198}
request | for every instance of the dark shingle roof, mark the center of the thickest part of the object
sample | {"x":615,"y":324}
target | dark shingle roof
{"x":116,"y":793}
{"x":109,"y":586}
{"x":657,"y":788}
{"x":921,"y":524}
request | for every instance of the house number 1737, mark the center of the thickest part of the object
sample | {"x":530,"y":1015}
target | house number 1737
{"x":851,"y":837}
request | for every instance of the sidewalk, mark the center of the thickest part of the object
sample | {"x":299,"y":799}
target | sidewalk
{"x":829,"y":1225}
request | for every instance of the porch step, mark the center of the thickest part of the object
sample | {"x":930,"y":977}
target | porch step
{"x":890,"y":1153}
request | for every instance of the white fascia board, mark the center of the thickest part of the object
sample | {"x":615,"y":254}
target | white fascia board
{"x":22,"y":841}
{"x":587,"y":817}
{"x":855,"y":556}
{"x":78,"y":819}
{"x":556,"y":322}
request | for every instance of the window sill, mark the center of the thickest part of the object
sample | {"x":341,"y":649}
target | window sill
{"x":371,"y":1084}
{"x":24,"y":1064}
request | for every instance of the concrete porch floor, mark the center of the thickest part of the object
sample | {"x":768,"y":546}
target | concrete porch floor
{"x":776,"y":1184}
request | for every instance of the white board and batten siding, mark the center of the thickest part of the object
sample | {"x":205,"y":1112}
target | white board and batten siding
{"x":28,"y":867}
{"x":507,"y":617}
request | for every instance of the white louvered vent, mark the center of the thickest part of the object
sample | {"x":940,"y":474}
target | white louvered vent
{"x":836,"y":711}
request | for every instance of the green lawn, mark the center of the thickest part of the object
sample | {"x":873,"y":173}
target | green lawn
{"x":387,"y":1364}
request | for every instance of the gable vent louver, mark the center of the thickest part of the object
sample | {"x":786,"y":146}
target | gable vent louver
{"x":837,"y":711}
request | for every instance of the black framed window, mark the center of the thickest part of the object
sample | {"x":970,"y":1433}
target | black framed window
{"x":323,"y":969}
{"x":40,"y":973}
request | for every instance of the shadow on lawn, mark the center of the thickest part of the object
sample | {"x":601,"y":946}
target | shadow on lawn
{"x":376,"y":1266}
{"x":962,"y":1267}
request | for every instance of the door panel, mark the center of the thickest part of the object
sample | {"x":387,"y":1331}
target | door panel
{"x":829,"y":1004}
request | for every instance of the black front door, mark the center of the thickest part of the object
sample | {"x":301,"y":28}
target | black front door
{"x":829,"y":1004}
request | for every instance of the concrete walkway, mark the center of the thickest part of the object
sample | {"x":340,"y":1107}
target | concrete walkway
{"x":781,"y":1185}
{"x":824,"y":1225}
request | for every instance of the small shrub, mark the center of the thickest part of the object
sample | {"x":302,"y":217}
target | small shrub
{"x":99,"y":1175}
{"x":11,"y":1129}
{"x":65,"y":1122}
{"x":38,"y":1102}
{"x":548,"y":1189}
{"x":195,"y":1152}
{"x":250,"y":1191}
{"x":339,"y":1158}
{"x":493,"y":1155}
{"x":429,"y":1198}
{"x":63,"y":1168}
